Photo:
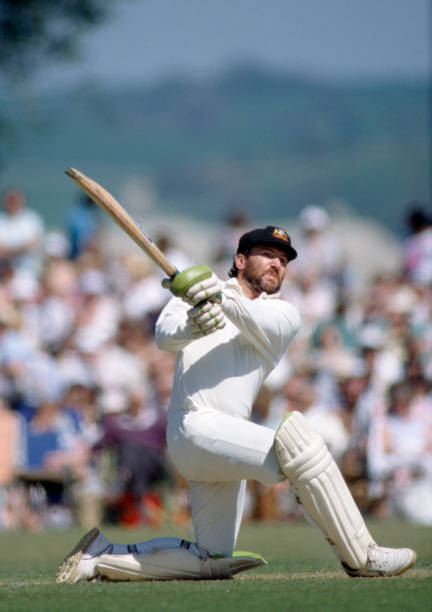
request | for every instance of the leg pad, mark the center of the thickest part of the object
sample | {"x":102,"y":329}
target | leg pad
{"x":321,"y":489}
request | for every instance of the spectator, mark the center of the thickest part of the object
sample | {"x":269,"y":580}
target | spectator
{"x":54,"y":456}
{"x":145,"y":295}
{"x":136,"y":431}
{"x":21,"y":232}
{"x":79,"y":403}
{"x":9,"y":444}
{"x":320,"y":254}
{"x":99,"y":312}
{"x":400,"y":454}
{"x":236,"y":223}
{"x":56,"y":245}
{"x":82,"y":226}
{"x":175,"y":255}
{"x":314,"y":297}
{"x":417,"y":247}
{"x":15,"y":354}
{"x":301,"y":394}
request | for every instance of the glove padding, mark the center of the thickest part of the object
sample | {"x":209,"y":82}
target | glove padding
{"x":195,"y":284}
{"x":208,"y":289}
{"x":205,"y":319}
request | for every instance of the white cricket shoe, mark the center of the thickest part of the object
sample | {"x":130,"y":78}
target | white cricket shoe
{"x":384,"y":562}
{"x":80,"y":563}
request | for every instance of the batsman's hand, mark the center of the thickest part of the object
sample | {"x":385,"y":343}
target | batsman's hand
{"x":205,"y":319}
{"x":196,"y":284}
{"x":208,"y":289}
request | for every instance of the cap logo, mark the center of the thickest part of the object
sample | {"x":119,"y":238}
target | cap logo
{"x":280,"y":234}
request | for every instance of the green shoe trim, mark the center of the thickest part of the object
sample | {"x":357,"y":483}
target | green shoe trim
{"x":245,"y":553}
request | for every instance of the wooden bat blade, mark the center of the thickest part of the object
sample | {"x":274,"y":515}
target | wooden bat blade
{"x":115,"y":210}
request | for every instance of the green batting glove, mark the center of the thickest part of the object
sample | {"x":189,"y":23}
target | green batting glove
{"x":205,"y":318}
{"x":195,"y":284}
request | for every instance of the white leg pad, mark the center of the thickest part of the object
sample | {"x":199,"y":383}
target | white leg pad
{"x":322,"y":490}
{"x":174,"y":564}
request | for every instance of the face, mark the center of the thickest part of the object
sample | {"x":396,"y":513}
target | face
{"x":13,"y":201}
{"x":262,"y":269}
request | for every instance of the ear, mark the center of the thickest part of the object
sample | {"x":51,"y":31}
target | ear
{"x":240,"y":261}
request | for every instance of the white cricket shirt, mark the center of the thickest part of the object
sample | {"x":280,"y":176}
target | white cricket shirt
{"x":226,"y":369}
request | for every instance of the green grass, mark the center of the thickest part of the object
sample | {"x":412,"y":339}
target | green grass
{"x":301,"y":575}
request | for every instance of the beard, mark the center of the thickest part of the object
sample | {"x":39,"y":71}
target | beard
{"x":260,"y":283}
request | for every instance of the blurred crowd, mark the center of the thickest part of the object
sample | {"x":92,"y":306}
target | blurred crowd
{"x":84,"y":390}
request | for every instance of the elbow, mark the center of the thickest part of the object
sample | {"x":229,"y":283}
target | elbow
{"x":160,"y":339}
{"x":163,"y":342}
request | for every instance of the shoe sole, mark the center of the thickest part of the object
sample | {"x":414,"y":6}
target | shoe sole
{"x":68,"y":568}
{"x":353,"y":573}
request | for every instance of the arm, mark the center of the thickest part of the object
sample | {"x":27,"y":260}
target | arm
{"x":172,"y":332}
{"x":269,"y":324}
{"x":178,"y":324}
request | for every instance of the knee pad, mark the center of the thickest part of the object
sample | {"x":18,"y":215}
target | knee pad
{"x":321,"y":489}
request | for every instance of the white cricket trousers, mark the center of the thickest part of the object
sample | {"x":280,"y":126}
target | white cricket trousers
{"x":216,"y":453}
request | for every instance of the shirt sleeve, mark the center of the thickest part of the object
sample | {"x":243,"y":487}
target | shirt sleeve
{"x":268,"y":323}
{"x":172,"y":333}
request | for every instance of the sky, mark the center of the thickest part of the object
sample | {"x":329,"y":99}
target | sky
{"x":146,"y":40}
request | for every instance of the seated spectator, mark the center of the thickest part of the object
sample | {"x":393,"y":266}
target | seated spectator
{"x":383,"y":368}
{"x":9,"y":459}
{"x":134,"y":427}
{"x":173,"y":253}
{"x":9,"y":443}
{"x":145,"y":295}
{"x":25,"y":291}
{"x":82,"y":225}
{"x":236,"y":223}
{"x":314,"y":297}
{"x":114,"y":366}
{"x":56,"y":246}
{"x":327,"y":420}
{"x":21,"y":232}
{"x":54,"y":455}
{"x":89,"y":488}
{"x":15,"y":354}
{"x":400,"y":454}
{"x":417,"y":247}
{"x":320,"y":255}
{"x":99,"y":312}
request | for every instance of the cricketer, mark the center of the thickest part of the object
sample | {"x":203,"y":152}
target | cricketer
{"x":228,"y":336}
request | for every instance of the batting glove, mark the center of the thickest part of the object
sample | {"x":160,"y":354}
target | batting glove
{"x":195,"y":284}
{"x":205,"y":319}
{"x":208,"y":289}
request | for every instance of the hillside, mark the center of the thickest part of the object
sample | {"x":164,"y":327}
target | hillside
{"x":269,"y":142}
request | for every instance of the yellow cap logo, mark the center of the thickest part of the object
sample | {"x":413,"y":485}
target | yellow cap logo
{"x":281,"y":234}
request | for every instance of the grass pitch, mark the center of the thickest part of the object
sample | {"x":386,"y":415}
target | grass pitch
{"x":301,"y":575}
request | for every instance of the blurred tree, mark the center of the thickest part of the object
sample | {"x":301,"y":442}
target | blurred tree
{"x":33,"y":32}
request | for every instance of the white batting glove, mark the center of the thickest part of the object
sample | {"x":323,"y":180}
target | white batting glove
{"x":206,"y":319}
{"x":208,"y":289}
